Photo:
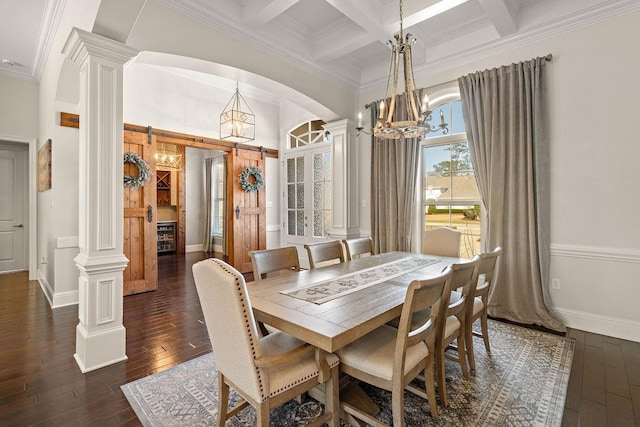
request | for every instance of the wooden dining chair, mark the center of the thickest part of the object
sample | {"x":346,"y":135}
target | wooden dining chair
{"x":441,"y":241}
{"x":477,"y":309}
{"x":266,"y":371}
{"x":358,"y":246}
{"x":451,"y":324}
{"x":321,"y":253}
{"x":274,"y":260}
{"x":391,"y":358}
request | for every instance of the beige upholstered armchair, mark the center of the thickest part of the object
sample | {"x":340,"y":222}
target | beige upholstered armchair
{"x":266,"y":372}
{"x":441,"y":241}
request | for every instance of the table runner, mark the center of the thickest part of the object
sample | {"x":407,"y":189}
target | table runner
{"x":328,"y":290}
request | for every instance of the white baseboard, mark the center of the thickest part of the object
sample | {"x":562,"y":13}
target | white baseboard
{"x":600,"y":324}
{"x":46,"y":287}
{"x":56,"y":300}
{"x":63,"y":299}
{"x":193,"y":248}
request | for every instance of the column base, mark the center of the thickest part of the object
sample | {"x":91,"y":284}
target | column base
{"x":99,"y":349}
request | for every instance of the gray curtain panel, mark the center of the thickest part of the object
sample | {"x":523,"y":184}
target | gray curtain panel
{"x":207,"y":237}
{"x":506,"y":120}
{"x":394,"y":176}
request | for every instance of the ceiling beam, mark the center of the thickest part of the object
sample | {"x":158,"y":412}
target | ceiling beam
{"x":416,"y":12}
{"x":335,"y":45}
{"x":501,"y":15}
{"x":259,"y":12}
{"x":360,"y":12}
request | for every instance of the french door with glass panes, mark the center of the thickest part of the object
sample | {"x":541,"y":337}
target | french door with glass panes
{"x":307,"y":196}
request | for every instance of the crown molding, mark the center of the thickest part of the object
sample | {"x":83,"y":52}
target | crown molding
{"x":48,"y":29}
{"x":585,"y":18}
{"x":19,"y":75}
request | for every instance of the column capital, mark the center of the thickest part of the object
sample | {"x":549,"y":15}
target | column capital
{"x":82,"y":44}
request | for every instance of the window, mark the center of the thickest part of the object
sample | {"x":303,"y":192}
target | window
{"x":450,"y":196}
{"x":217,"y":197}
{"x":306,"y":134}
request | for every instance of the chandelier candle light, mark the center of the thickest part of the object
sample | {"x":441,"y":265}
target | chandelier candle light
{"x":417,"y":124}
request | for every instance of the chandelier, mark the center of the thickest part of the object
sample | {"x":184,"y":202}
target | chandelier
{"x":167,"y":156}
{"x":237,"y":120}
{"x":417,"y":123}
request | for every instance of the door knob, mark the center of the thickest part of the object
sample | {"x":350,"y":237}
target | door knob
{"x":18,"y":226}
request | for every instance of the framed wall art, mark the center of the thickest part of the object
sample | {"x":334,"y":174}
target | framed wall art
{"x":44,"y":166}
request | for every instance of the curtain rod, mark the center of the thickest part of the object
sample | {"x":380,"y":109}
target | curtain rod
{"x":547,"y":58}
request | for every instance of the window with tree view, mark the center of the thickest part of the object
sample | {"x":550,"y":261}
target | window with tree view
{"x":450,"y":192}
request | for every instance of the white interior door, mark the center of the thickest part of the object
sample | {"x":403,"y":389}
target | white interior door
{"x":307,"y":196}
{"x":13,"y":186}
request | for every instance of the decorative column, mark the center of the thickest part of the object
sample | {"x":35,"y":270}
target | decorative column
{"x":100,"y":334}
{"x":345,"y":213}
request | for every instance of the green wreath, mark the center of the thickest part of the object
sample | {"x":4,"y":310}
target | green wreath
{"x":245,"y":179}
{"x":144,"y":173}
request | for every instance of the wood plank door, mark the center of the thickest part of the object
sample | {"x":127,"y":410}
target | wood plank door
{"x":140,"y":233}
{"x":245,"y":212}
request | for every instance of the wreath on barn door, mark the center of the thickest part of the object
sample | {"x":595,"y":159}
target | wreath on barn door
{"x":144,"y":173}
{"x":251,"y":179}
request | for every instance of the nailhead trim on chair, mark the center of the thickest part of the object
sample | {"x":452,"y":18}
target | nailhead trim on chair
{"x":248,"y":325}
{"x":246,"y":318}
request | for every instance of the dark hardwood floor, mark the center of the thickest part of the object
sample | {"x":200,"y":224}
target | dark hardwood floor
{"x":40,"y":383}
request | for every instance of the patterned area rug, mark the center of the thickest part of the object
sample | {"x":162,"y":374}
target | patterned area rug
{"x":328,"y":290}
{"x":522,"y":382}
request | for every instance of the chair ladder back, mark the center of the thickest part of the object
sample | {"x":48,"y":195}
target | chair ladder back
{"x":358,"y":246}
{"x":272,"y":260}
{"x":324,"y":251}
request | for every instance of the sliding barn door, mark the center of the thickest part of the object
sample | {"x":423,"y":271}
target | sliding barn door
{"x":245,"y":212}
{"x":140,"y":234}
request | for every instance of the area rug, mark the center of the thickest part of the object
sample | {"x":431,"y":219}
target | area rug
{"x":523,"y":381}
{"x":328,"y":290}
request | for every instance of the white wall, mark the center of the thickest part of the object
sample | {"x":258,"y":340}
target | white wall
{"x":593,"y":98}
{"x":19,"y":124}
{"x":57,"y":215}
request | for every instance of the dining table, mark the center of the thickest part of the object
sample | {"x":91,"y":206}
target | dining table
{"x":332,"y":306}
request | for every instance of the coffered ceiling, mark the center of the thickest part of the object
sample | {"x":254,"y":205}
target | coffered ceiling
{"x":342,"y":40}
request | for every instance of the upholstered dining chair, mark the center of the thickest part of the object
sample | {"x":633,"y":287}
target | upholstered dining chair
{"x":358,"y":246}
{"x":274,"y":260}
{"x":451,"y":324}
{"x":323,"y":252}
{"x":477,"y":309}
{"x":267,"y":372}
{"x":391,"y":358}
{"x":441,"y":241}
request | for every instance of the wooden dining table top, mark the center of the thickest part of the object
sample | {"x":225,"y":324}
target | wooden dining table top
{"x":333,"y":324}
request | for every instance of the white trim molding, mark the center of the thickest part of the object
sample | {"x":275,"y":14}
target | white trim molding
{"x":600,"y":324}
{"x":193,"y":248}
{"x":596,"y":252}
